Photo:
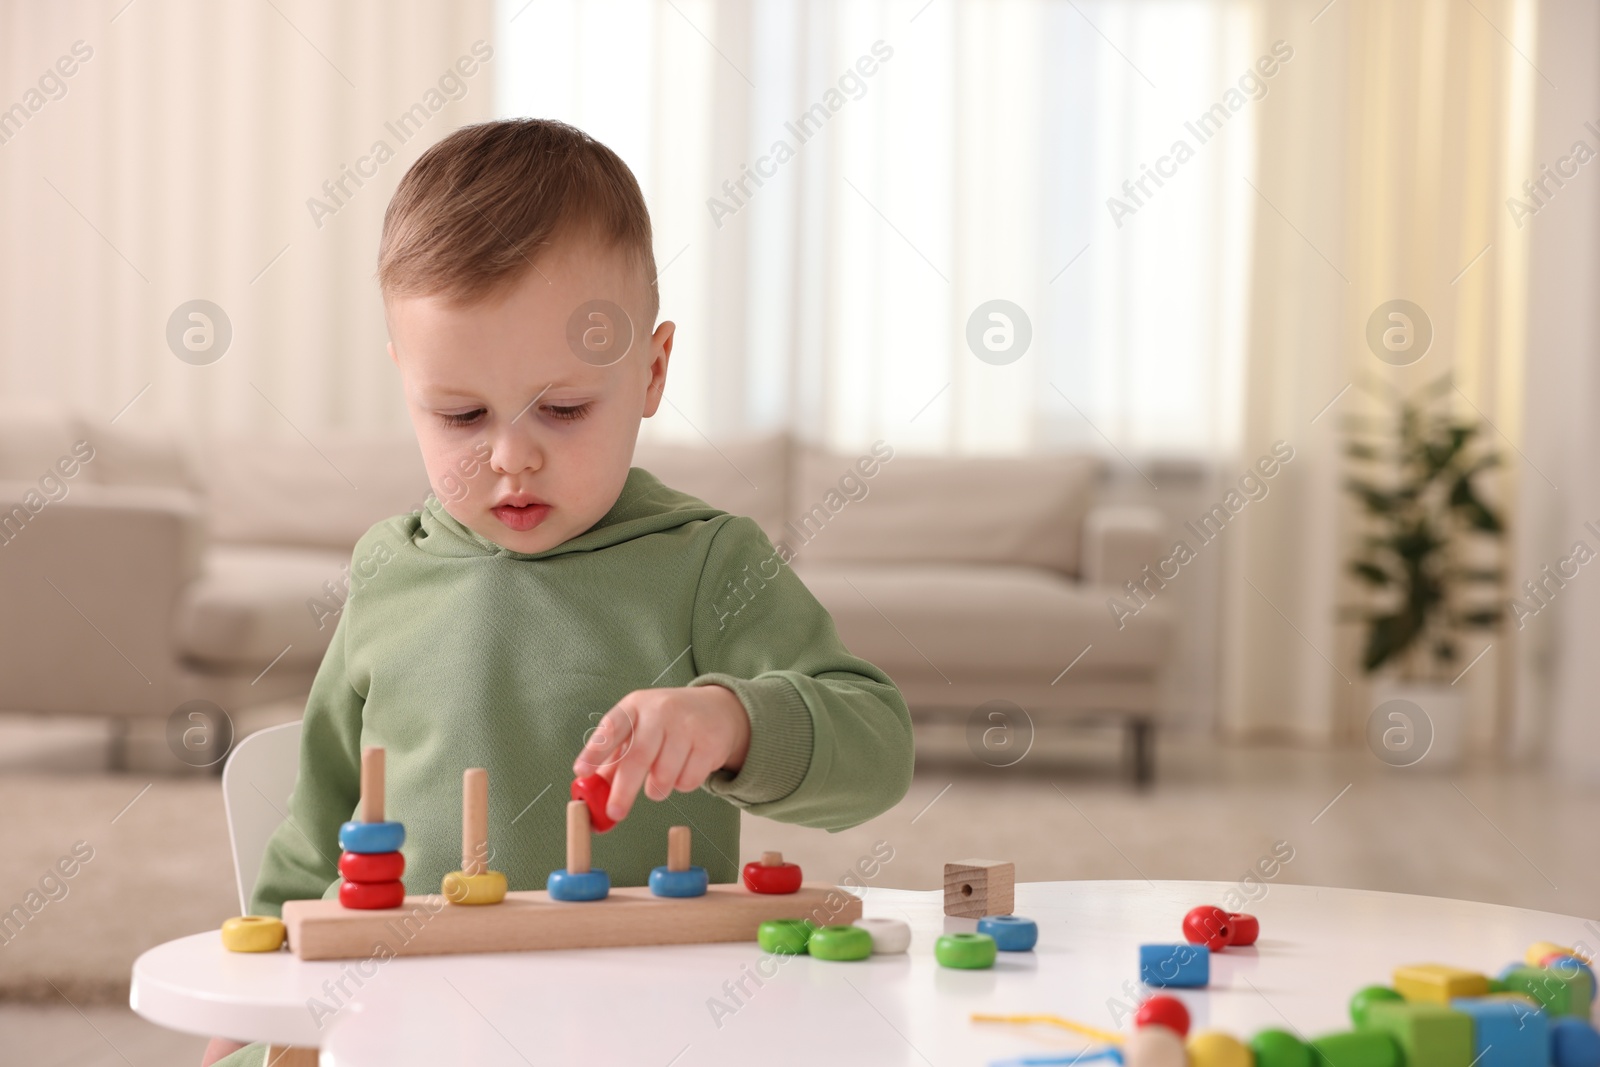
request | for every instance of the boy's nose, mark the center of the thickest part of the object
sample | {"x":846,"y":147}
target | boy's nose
{"x":514,"y":449}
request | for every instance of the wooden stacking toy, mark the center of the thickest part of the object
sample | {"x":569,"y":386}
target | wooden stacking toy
{"x":679,"y":878}
{"x":474,"y":883}
{"x":371,"y":862}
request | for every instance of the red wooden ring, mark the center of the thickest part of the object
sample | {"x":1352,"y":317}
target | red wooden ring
{"x":594,"y":791}
{"x":372,"y":866}
{"x":1245,"y":928}
{"x":372,"y":895}
{"x":1208,"y":926}
{"x":778,"y":878}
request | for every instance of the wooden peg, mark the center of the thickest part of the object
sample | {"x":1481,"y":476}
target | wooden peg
{"x":372,"y":784}
{"x":475,"y":822}
{"x":577,"y":837}
{"x":772,"y":859}
{"x":678,"y":848}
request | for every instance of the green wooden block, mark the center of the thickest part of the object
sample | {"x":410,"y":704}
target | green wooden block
{"x":1560,"y":992}
{"x":1279,"y":1048}
{"x":1429,"y":1034}
{"x":1356,"y":1048}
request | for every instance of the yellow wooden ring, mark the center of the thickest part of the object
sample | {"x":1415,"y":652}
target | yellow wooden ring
{"x":486,"y":888}
{"x":253,"y":933}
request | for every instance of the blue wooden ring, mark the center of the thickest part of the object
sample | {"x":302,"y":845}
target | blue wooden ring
{"x":593,"y":884}
{"x":370,"y":837}
{"x":1011,"y":933}
{"x":665,"y":882}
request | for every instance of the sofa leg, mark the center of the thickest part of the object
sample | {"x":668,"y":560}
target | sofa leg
{"x":1141,"y":751}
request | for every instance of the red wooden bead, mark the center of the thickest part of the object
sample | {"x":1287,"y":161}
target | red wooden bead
{"x":1164,"y":1011}
{"x":775,"y":878}
{"x":372,"y":895}
{"x":372,"y":866}
{"x":1208,"y":926}
{"x":1245,"y":928}
{"x":594,"y":791}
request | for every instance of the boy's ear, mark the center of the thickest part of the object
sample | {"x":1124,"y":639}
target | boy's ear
{"x":660,"y":355}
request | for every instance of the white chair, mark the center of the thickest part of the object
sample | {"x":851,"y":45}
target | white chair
{"x":256,"y":783}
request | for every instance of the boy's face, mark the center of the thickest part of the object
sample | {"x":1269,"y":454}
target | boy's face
{"x":526,"y":443}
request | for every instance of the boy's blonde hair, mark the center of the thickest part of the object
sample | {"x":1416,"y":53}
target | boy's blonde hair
{"x":475,"y":211}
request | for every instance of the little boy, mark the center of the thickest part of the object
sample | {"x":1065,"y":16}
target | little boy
{"x":551,"y":612}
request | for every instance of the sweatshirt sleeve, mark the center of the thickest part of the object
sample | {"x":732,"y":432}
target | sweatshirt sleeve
{"x":302,"y":857}
{"x":830,"y":736}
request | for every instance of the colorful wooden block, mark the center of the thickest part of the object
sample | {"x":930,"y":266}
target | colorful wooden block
{"x":1356,"y":1048}
{"x":577,"y":882}
{"x":1574,"y":1043}
{"x":1569,"y":964}
{"x":1212,"y":1048}
{"x":975,"y":888}
{"x":1279,"y":1048}
{"x":1164,"y":1011}
{"x":1438,"y":983}
{"x":965,"y":952}
{"x":890,"y":937}
{"x":1560,"y":993}
{"x":1366,"y":997}
{"x":1011,"y":933}
{"x":368,"y":838}
{"x":1429,"y":1034}
{"x":1184,"y":966}
{"x":1540,"y":949}
{"x":459,"y":887}
{"x":1246,"y":928}
{"x":771,"y":874}
{"x":253,"y":933}
{"x":595,"y":792}
{"x":1154,"y":1046}
{"x":1506,"y":1032}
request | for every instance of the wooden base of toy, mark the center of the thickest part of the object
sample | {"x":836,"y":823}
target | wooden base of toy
{"x":530,"y":920}
{"x":290,"y":1056}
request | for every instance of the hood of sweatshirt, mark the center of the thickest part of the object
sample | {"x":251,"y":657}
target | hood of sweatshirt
{"x":644,"y":507}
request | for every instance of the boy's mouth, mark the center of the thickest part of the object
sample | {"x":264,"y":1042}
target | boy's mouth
{"x":522,"y":514}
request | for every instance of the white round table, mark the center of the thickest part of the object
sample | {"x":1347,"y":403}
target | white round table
{"x":702,"y":1004}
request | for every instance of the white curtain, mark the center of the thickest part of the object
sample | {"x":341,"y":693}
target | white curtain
{"x":957,"y":152}
{"x":176,"y":163}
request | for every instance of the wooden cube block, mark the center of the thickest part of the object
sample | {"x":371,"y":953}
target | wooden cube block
{"x":1437,"y":983}
{"x":975,"y":888}
{"x":1429,"y":1034}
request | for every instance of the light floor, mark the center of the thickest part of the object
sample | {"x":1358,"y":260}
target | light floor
{"x":161,"y":866}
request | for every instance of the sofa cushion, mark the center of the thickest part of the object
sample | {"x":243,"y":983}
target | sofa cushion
{"x":964,"y":621}
{"x":1012,"y":510}
{"x":249,"y":603}
{"x":749,"y":477}
{"x":268,"y":492}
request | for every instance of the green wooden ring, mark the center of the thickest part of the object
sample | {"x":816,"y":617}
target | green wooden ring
{"x":1365,"y":998}
{"x":840,"y":943}
{"x":965,"y":952}
{"x":786,"y":937}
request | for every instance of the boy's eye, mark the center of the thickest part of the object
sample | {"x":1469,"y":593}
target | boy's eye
{"x":577,"y":411}
{"x":464,"y":419}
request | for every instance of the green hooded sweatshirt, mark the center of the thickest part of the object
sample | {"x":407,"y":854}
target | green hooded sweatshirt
{"x":453,"y":652}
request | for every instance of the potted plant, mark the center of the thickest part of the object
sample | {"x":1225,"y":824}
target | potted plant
{"x":1426,"y":531}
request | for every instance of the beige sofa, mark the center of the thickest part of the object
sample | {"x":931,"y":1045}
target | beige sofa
{"x":149,"y":577}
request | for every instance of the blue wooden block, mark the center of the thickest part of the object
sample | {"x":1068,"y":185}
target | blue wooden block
{"x":1574,"y":1043}
{"x":1187,"y":966}
{"x":1506,"y":1032}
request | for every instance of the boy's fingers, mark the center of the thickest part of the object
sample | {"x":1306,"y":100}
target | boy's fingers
{"x":630,"y":772}
{"x":696,"y":769}
{"x":668,"y":765}
{"x":607,"y":743}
